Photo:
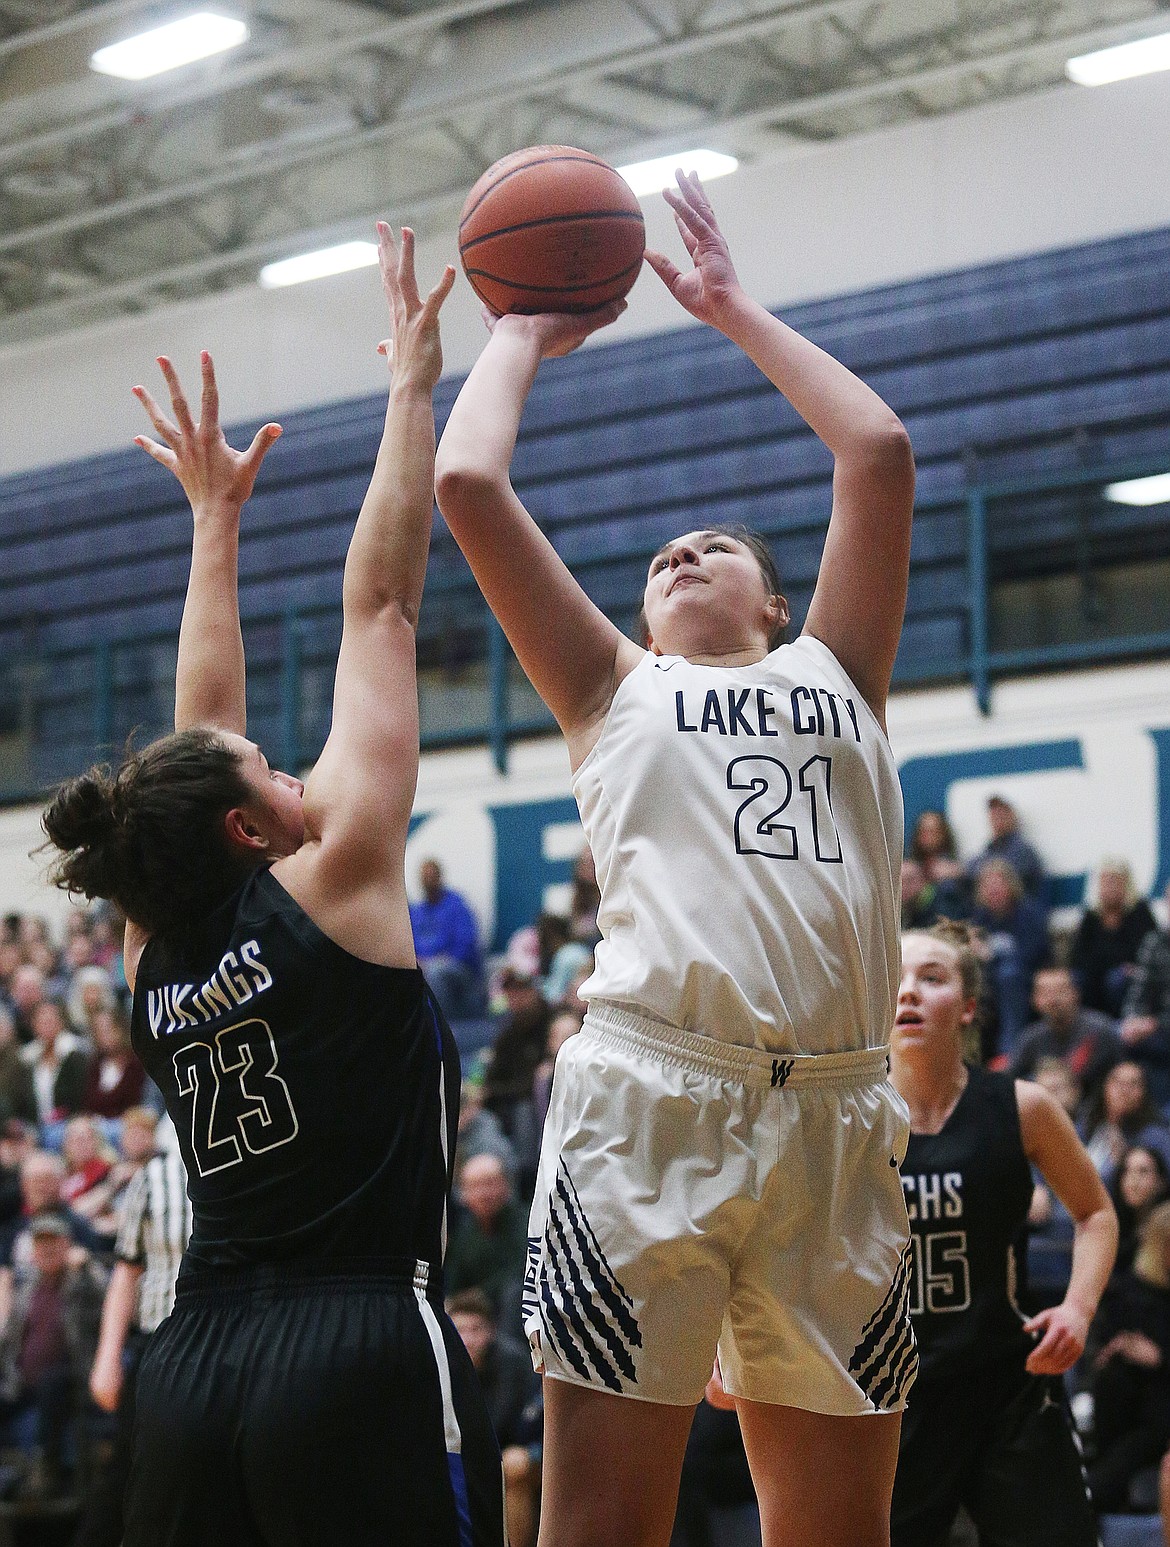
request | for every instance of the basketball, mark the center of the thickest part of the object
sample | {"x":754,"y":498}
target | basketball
{"x":551,"y":229}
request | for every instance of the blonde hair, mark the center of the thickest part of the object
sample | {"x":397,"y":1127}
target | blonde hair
{"x":1152,"y":1259}
{"x":1112,"y":865}
{"x":963,"y":939}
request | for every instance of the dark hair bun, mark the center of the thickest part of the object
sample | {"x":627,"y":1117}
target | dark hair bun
{"x":82,"y":820}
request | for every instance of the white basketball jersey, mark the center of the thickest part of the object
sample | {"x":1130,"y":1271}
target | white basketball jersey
{"x":746,"y":823}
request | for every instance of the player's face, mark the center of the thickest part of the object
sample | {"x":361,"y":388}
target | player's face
{"x":705,"y":594}
{"x":278,"y":796}
{"x":932,"y":1006}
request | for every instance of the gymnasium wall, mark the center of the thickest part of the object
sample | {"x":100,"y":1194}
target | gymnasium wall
{"x":1060,"y":168}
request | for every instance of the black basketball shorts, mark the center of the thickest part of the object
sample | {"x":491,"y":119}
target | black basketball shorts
{"x":308,"y":1411}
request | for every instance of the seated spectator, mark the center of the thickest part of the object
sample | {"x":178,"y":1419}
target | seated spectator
{"x":1051,"y":1228}
{"x":57,"y":1063}
{"x":26,"y":991}
{"x":1124,"y":1115}
{"x":114,"y":1077}
{"x":17,"y":1096}
{"x":41,"y":1176}
{"x":511,"y":1394}
{"x":488,"y":1246}
{"x":924,"y":902}
{"x":561,"y":957}
{"x":932,"y":845}
{"x":1130,"y":1379}
{"x":1015,"y":927}
{"x":87,"y":1164}
{"x":1145,"y":1024}
{"x":585,"y":901}
{"x":48,"y":1343}
{"x":520,"y":1044}
{"x":90,"y":990}
{"x":479,"y":1130}
{"x":1085,"y":1040}
{"x":1007,"y":843}
{"x":1142,"y":1182}
{"x":565,"y":1023}
{"x":1104,"y":950}
{"x":446,"y":942}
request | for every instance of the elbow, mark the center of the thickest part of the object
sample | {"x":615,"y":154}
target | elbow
{"x":462,"y":486}
{"x":887,"y":445}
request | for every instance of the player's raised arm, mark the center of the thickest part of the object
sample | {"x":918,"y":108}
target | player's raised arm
{"x":573,"y":655}
{"x":209,"y":678}
{"x":348,"y":875}
{"x":860,"y":597}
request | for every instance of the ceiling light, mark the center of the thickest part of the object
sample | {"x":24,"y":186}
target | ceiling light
{"x":319,"y":264}
{"x":653,"y":176}
{"x":1140,"y":491}
{"x":165,"y":48}
{"x":1122,"y":63}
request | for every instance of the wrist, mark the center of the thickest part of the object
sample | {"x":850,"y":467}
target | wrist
{"x":217,"y":510}
{"x":733,"y":312}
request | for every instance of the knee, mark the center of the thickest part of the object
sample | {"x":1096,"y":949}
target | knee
{"x":519,"y":1467}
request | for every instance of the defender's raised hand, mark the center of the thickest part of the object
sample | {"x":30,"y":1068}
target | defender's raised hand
{"x":712,"y":281}
{"x":210,"y":471}
{"x":413,"y":348}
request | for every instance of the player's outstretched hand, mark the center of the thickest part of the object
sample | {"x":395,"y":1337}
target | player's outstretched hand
{"x":716,"y":1394}
{"x":413,"y":349}
{"x":1063,"y":1331}
{"x":557,"y":333}
{"x":212,"y":472}
{"x":711,"y":283}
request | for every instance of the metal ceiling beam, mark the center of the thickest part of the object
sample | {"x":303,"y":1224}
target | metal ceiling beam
{"x":457,"y":99}
{"x":297,"y":59}
{"x":82,"y":20}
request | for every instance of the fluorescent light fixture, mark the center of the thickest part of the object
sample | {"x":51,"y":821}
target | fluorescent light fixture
{"x":166,"y":48}
{"x":319,"y":264}
{"x":1140,"y":491}
{"x":653,"y":176}
{"x":1143,"y":57}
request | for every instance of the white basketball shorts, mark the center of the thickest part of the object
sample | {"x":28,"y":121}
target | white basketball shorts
{"x":694,"y":1196}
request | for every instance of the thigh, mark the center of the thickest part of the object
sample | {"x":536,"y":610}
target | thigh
{"x":941,"y":1429}
{"x":821,"y":1480}
{"x":1031,"y":1490}
{"x":611,"y":1468}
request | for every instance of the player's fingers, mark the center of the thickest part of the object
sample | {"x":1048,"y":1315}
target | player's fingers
{"x":442,"y":290}
{"x":407,"y":281}
{"x":388,"y":259}
{"x":669,"y":273}
{"x":209,"y":404}
{"x":161,"y":454}
{"x":163,"y":426}
{"x":690,"y":240}
{"x":178,"y":400}
{"x":262,"y":442}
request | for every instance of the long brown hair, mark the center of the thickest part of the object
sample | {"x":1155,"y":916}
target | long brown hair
{"x":150,"y":837}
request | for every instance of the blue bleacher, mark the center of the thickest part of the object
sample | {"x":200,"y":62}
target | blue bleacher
{"x":1023,"y":368}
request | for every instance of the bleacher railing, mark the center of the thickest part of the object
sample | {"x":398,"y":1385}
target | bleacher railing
{"x":61,"y":708}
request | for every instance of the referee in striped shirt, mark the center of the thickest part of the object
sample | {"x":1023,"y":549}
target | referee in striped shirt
{"x":152,"y":1234}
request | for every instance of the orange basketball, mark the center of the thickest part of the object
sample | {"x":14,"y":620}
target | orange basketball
{"x":551,"y":229}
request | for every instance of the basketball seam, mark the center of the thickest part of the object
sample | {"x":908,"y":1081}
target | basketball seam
{"x":524,"y":166}
{"x":592,"y":284}
{"x":551,"y":220}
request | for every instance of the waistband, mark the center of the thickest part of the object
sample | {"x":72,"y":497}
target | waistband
{"x":280,"y":1279}
{"x":617,"y":1027}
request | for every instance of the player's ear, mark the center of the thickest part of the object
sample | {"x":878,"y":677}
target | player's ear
{"x":242,"y":830}
{"x":778,"y":613}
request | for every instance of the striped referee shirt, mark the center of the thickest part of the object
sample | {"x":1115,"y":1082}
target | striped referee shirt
{"x":155,"y":1226}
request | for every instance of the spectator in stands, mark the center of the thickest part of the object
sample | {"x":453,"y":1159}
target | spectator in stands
{"x":1105,"y":948}
{"x":1124,"y":1115}
{"x":1142,"y":1182}
{"x":1015,"y":928}
{"x":565,"y":1023}
{"x":924,"y":902}
{"x":585,"y":901}
{"x":91,"y":990}
{"x":57,"y":1063}
{"x":48,"y":1341}
{"x":510,"y":1390}
{"x":488,"y":1248}
{"x":561,"y":957}
{"x":88,"y":1162}
{"x":17,"y":1096}
{"x":1085,"y":1040}
{"x":26,"y":992}
{"x":41,"y":1177}
{"x":9,"y":962}
{"x":1008,"y":843}
{"x":114,"y":1077}
{"x":446,"y":941}
{"x":520,"y":1044}
{"x":1131,"y":1369}
{"x":932,"y":845}
{"x":1145,"y":1024}
{"x":479,"y":1130}
{"x":17,"y":1140}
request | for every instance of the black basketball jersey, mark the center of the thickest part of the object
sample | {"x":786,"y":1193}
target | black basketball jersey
{"x":315,"y":1095}
{"x":968,"y":1190}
